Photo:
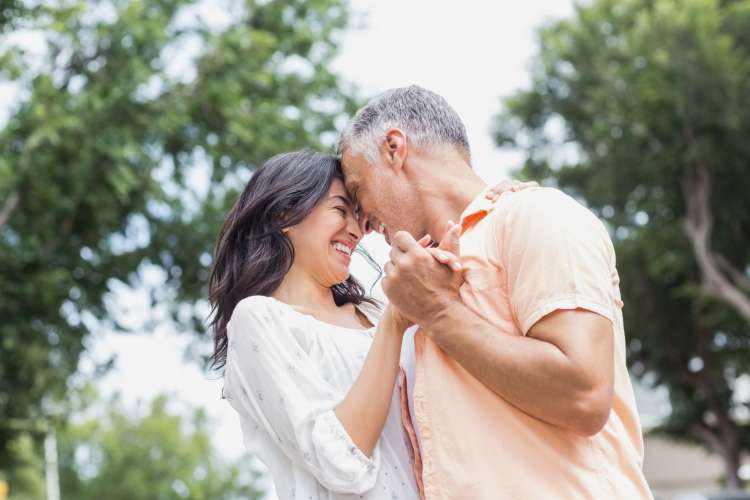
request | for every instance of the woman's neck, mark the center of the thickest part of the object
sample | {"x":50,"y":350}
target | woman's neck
{"x":299,"y":289}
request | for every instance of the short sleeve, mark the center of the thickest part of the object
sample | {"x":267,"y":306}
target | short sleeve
{"x":270,"y":380}
{"x":557,"y":255}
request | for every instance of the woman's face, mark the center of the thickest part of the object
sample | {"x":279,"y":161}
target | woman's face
{"x":324,"y":241}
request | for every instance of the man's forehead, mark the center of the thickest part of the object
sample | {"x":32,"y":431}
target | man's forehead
{"x":350,"y":184}
{"x":347,"y":158}
{"x":349,"y":168}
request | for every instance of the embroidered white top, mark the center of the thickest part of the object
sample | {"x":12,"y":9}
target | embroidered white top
{"x":285,"y":373}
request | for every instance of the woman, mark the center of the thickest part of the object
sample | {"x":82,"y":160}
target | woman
{"x":310,"y":375}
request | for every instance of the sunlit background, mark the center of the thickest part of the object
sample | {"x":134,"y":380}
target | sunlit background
{"x":554,"y":101}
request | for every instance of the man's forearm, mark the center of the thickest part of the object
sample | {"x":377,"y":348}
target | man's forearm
{"x":535,"y":376}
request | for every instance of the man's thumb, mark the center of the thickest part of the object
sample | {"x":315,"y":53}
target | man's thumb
{"x":450,"y":241}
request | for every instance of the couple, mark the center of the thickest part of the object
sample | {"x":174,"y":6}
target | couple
{"x":497,"y":371}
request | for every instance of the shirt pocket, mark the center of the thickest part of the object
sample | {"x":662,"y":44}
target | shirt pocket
{"x":483,"y":279}
{"x":485,"y":293}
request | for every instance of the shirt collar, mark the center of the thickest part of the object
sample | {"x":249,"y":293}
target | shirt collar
{"x":477,"y":210}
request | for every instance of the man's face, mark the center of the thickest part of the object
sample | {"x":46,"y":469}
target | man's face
{"x":387,"y":202}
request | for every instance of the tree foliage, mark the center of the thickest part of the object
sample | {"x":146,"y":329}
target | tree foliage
{"x":134,"y":126}
{"x":640,"y":108}
{"x":157,"y":456}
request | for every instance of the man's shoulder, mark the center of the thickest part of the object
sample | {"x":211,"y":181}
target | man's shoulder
{"x":539,"y":201}
{"x":539,"y":211}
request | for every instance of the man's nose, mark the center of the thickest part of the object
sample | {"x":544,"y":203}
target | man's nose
{"x":364,"y":223}
{"x":353,"y":228}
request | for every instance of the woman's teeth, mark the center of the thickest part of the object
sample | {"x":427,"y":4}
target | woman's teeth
{"x":342,"y":248}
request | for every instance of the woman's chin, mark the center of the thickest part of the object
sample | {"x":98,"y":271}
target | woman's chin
{"x":339,"y":276}
{"x":343,"y":278}
{"x":338,"y":270}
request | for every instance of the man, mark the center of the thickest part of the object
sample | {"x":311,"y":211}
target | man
{"x":516,"y":381}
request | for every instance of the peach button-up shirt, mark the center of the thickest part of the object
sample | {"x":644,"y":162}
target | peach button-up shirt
{"x":528,"y":254}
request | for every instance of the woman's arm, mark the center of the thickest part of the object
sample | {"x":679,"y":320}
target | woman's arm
{"x":280,"y":391}
{"x":365,"y":407}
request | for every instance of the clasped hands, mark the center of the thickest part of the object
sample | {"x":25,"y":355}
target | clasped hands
{"x":422,"y":281}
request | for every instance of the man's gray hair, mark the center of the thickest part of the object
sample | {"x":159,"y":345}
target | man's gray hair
{"x":425,"y":117}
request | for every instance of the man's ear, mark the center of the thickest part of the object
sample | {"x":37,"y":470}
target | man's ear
{"x":395,"y":148}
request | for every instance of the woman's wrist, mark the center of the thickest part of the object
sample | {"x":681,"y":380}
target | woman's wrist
{"x":397,"y":320}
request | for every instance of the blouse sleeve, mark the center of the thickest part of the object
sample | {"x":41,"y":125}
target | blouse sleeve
{"x":270,"y":379}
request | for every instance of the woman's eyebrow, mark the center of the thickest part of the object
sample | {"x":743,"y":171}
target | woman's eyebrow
{"x":347,"y":201}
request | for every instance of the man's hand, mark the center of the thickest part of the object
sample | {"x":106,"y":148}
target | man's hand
{"x":420,"y":281}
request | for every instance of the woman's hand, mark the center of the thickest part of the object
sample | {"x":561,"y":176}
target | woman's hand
{"x":401,"y":323}
{"x":508,"y":185}
{"x":440,"y":252}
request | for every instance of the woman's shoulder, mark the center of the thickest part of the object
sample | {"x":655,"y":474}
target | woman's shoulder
{"x":258,"y":301}
{"x":264,"y":320}
{"x":267,"y":311}
{"x":254,"y":305}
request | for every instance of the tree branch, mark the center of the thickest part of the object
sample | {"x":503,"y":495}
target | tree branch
{"x":698,"y":224}
{"x":10,"y":206}
{"x":741,"y":279}
{"x":705,"y":433}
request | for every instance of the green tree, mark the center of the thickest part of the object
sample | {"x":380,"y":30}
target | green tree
{"x":158,"y":456}
{"x":133,"y":130}
{"x":9,"y":11}
{"x":27,"y":479}
{"x":640,"y":108}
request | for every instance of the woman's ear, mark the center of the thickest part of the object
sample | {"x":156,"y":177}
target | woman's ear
{"x":284,"y":219}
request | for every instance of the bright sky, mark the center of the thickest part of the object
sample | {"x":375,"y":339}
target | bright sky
{"x":470,"y":52}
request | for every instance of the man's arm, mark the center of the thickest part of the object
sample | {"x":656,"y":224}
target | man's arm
{"x":557,"y":257}
{"x":562,"y":372}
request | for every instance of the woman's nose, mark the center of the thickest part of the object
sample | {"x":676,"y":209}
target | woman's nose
{"x":355,"y":233}
{"x":355,"y":229}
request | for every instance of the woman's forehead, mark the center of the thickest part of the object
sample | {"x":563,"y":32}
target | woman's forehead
{"x":338,"y":189}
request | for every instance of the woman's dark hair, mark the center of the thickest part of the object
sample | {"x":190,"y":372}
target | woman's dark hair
{"x":253,"y":255}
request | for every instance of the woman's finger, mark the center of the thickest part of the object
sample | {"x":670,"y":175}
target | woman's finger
{"x":446,"y":258}
{"x":508,"y":185}
{"x":425,"y":240}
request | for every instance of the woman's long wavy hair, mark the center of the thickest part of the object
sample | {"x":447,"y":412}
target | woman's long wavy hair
{"x":253,"y":254}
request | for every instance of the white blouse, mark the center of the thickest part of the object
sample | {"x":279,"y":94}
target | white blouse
{"x":285,"y":373}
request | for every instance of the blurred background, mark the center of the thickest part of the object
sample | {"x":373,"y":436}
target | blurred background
{"x":128,"y":127}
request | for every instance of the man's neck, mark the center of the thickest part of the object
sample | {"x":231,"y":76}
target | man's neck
{"x":448,"y":200}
